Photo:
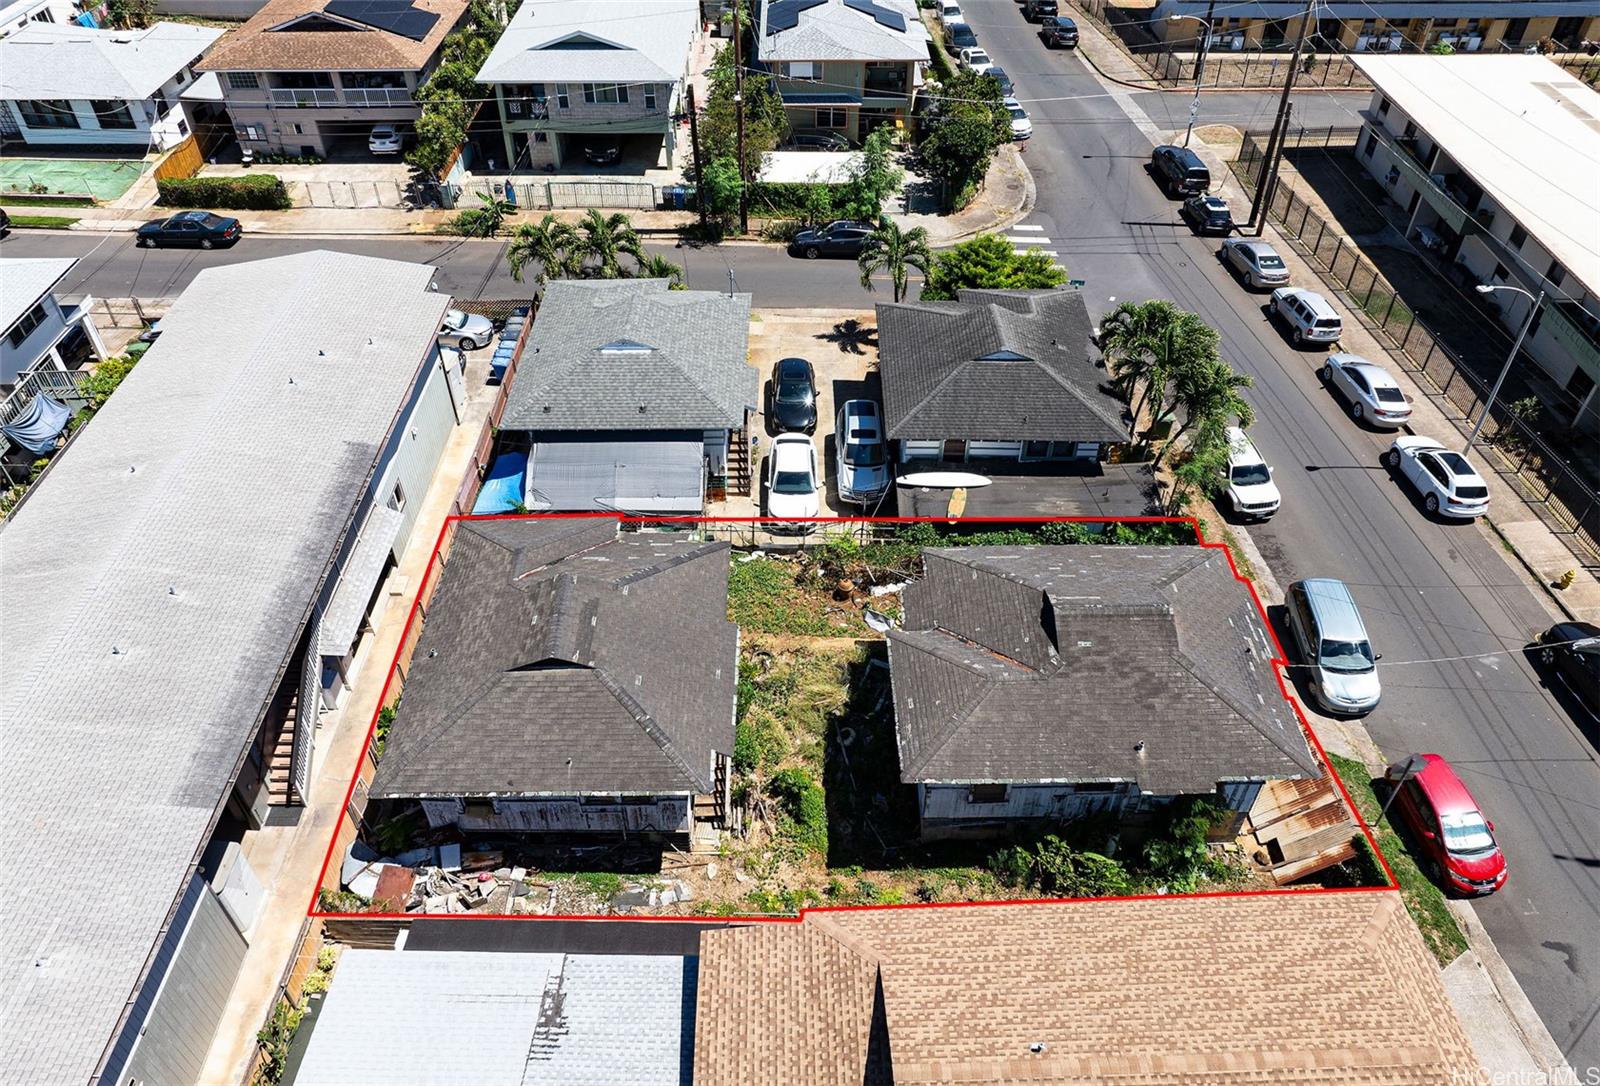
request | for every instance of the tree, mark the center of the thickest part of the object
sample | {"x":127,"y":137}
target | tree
{"x":1150,"y":343}
{"x":605,"y":239}
{"x":990,"y":261}
{"x":549,"y":245}
{"x":967,"y":122}
{"x":440,"y":129}
{"x":130,"y":14}
{"x":764,"y":121}
{"x":485,"y":220}
{"x":889,"y":248}
{"x":720,"y":188}
{"x":1209,"y":393}
{"x":874,"y":179}
{"x":656,"y":266}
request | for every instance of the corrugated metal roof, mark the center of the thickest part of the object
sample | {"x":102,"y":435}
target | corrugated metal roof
{"x":633,"y":473}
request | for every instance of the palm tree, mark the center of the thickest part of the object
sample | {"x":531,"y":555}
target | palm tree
{"x":606,"y":239}
{"x":1209,"y":394}
{"x":548,"y":246}
{"x":888,"y":247}
{"x":656,"y":266}
{"x":1151,"y":344}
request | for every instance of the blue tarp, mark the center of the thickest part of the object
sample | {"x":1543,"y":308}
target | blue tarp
{"x":39,"y":424}
{"x":502,"y":487}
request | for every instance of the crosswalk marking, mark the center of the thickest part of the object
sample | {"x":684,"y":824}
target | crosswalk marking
{"x":1029,"y":241}
{"x":1039,"y":228}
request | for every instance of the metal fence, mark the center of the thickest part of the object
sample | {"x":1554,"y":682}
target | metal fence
{"x":546,"y":195}
{"x":1525,"y":458}
{"x":360,"y":192}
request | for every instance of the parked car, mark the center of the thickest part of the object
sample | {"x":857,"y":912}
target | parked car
{"x":1058,"y":32}
{"x":1207,"y":215}
{"x":1179,"y":170}
{"x":817,"y":141}
{"x":1308,"y":316}
{"x":976,"y":58}
{"x":1021,"y":126}
{"x":1034,"y":10}
{"x":842,"y":237}
{"x":1256,"y":262}
{"x":862,"y":452}
{"x":958,"y":36}
{"x":1572,"y":651}
{"x":792,"y":396}
{"x":1449,"y":485}
{"x":1373,"y":395}
{"x":794,"y":484}
{"x":1457,"y":841}
{"x":1332,"y":642}
{"x":998,"y":74}
{"x":1251,"y":491}
{"x":602,"y":150}
{"x":468,"y":331}
{"x":5,"y":223}
{"x":950,"y":12}
{"x":200,"y":229}
{"x":385,"y":139}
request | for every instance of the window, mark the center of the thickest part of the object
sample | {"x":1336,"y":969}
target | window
{"x":47,"y":113}
{"x":249,"y":132}
{"x":397,"y":498}
{"x":25,"y":326}
{"x":1557,"y":274}
{"x":1372,"y":144}
{"x":562,"y":101}
{"x":986,"y":793}
{"x":1383,"y":106}
{"x":541,"y":137}
{"x":183,"y":76}
{"x":1518,"y":236}
{"x":243,"y":80}
{"x":183,"y":127}
{"x":832,"y":118}
{"x":112,"y":114}
{"x":650,"y":96}
{"x":803,"y":69}
{"x":605,"y":93}
{"x":1410,"y":133}
{"x":1499,"y":271}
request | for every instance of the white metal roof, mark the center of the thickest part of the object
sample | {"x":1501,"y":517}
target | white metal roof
{"x":816,"y":167}
{"x":832,"y":31}
{"x":591,"y":41}
{"x":154,"y":582}
{"x":1524,"y":130}
{"x":441,"y":1018}
{"x":55,"y":60}
{"x":24,"y":280}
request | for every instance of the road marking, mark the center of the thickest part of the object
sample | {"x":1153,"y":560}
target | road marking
{"x":1039,"y":228}
{"x":1028,"y":241}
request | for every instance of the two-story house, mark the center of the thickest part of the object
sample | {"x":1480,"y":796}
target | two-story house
{"x":843,"y":66}
{"x":73,"y":85}
{"x":314,"y":77}
{"x":43,"y":344}
{"x":1490,"y":163}
{"x":575,"y":79}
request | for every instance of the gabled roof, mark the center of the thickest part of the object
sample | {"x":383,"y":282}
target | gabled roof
{"x":561,"y":657}
{"x":580,"y":372}
{"x":24,"y":280}
{"x":841,"y":30}
{"x":552,"y":41}
{"x":155,"y":582}
{"x":1308,"y":989}
{"x":279,"y":37}
{"x":1000,"y":365}
{"x":1025,"y":664}
{"x":58,"y":60}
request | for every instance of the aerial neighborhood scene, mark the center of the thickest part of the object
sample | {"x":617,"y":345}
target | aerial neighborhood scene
{"x":800,"y":542}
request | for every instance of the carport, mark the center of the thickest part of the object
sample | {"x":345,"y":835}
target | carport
{"x":641,"y":151}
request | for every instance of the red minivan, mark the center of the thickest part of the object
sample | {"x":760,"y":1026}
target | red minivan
{"x":1447,"y":826}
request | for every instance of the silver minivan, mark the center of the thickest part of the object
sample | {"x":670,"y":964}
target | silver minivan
{"x":1332,"y":642}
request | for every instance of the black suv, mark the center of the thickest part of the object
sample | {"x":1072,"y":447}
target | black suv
{"x":842,"y":237}
{"x":792,"y":397}
{"x":1058,"y":32}
{"x":1034,"y":10}
{"x":1179,"y":170}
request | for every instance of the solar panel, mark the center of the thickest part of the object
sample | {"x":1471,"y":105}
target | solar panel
{"x":395,"y":16}
{"x":885,"y":16}
{"x":785,"y":14}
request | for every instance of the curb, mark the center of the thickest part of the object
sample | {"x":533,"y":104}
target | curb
{"x":1030,"y":197}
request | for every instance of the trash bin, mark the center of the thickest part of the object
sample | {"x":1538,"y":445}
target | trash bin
{"x":674,"y":198}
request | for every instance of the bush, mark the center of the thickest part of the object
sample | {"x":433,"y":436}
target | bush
{"x":254,"y":192}
{"x":1178,"y":854}
{"x":1053,"y":867}
{"x":806,"y":200}
{"x":989,"y":261}
{"x":804,"y":807}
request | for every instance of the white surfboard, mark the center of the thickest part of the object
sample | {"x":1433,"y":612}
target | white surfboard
{"x":941,"y":480}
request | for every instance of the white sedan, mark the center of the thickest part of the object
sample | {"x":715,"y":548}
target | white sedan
{"x":1447,"y":483}
{"x":976,"y":58}
{"x":1373,"y":395}
{"x":794,"y":484}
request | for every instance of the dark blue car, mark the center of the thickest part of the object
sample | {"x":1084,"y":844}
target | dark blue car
{"x":194,"y":229}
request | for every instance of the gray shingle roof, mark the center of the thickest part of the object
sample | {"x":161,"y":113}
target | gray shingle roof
{"x":832,"y":31}
{"x":995,"y":365}
{"x":187,"y":528}
{"x":56,"y":60}
{"x":586,"y":41}
{"x":562,"y":657}
{"x":678,"y":359}
{"x":1022,"y":664}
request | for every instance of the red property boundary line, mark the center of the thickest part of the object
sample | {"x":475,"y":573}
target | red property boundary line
{"x":1280,"y":662}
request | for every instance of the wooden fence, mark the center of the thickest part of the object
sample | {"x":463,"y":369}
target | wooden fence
{"x":183,"y":160}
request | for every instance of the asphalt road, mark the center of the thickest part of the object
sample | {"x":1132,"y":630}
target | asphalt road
{"x":1253,"y":110}
{"x":1441,"y":600}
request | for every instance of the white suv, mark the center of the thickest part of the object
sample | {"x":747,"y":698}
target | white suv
{"x":1251,"y":491}
{"x":1309,"y":317}
{"x":1447,"y":482}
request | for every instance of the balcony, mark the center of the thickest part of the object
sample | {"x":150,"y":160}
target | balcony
{"x":304,"y":97}
{"x":349,"y":98}
{"x":377,"y":97}
{"x":527,"y":109}
{"x":887,"y":83}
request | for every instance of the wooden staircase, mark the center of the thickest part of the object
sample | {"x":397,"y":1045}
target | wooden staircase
{"x":739,"y":463}
{"x":285,"y":709}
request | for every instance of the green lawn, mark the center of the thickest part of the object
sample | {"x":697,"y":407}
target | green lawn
{"x":104,"y":178}
{"x":45,"y":222}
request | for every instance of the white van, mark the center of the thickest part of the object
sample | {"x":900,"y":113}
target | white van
{"x":1251,"y":491}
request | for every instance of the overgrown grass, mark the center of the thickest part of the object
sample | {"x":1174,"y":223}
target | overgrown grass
{"x":602,"y":884}
{"x":1423,"y":898}
{"x":764,"y":597}
{"x":45,"y":222}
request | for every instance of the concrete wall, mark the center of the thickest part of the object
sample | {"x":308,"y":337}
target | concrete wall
{"x":563,"y":814}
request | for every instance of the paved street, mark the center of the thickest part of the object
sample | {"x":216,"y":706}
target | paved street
{"x":1429,"y":591}
{"x":1252,"y":110}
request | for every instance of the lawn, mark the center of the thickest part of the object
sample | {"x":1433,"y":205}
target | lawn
{"x":104,"y":178}
{"x":44,"y":222}
{"x":1424,"y":900}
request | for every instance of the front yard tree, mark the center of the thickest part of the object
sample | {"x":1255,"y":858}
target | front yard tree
{"x":1150,"y":344}
{"x":969,"y":120}
{"x":874,"y":179}
{"x":1210,"y":393}
{"x":895,"y":251}
{"x":605,"y":239}
{"x":720,"y":188}
{"x":764,"y":120}
{"x":989,"y":261}
{"x":548,"y":245}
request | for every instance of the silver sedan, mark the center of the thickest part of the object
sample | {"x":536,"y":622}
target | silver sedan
{"x":1257,"y":263}
{"x":1373,"y":395}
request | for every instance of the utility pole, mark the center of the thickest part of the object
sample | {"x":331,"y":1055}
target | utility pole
{"x":738,"y":108}
{"x":1280,"y":131}
{"x":1200,"y":70}
{"x":694,"y":142}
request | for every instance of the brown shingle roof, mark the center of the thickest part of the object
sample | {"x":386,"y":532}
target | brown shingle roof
{"x":256,"y":47}
{"x":1328,"y":988}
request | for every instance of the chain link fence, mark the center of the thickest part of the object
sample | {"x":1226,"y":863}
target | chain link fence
{"x":1525,"y":458}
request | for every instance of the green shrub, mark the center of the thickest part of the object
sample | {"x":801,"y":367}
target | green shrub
{"x":1055,"y":868}
{"x":380,"y":734}
{"x":253,"y":192}
{"x":803,"y":805}
{"x":1177,"y":855}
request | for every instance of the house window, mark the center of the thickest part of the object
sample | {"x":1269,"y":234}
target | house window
{"x":24,"y":327}
{"x":1410,"y":133}
{"x":183,"y":76}
{"x":1372,"y":144}
{"x":1383,"y":107}
{"x":47,"y":113}
{"x":249,"y":132}
{"x":832,"y":118}
{"x":243,"y":80}
{"x":605,"y":93}
{"x":986,"y":793}
{"x":1499,"y":271}
{"x":1557,"y":274}
{"x":541,"y":137}
{"x":112,"y":114}
{"x":808,"y":70}
{"x":183,"y":127}
{"x":650,"y":96}
{"x":397,"y":497}
{"x":562,"y":101}
{"x":1518,"y":236}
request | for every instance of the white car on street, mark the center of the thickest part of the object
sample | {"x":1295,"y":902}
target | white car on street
{"x":1251,"y":491}
{"x":950,"y":12}
{"x":1449,"y":485}
{"x":794,"y":484}
{"x":1373,"y":395}
{"x":1021,"y":126}
{"x":975,"y":58}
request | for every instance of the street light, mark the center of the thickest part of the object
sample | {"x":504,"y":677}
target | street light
{"x":1487,"y":288}
{"x":1199,"y":64}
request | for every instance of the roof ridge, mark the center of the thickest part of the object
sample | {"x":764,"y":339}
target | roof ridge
{"x":648,"y":725}
{"x":1247,"y":714}
{"x":667,"y":562}
{"x":856,"y":944}
{"x":956,"y":721}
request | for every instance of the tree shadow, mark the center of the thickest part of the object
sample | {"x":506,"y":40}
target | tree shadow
{"x":851,"y":336}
